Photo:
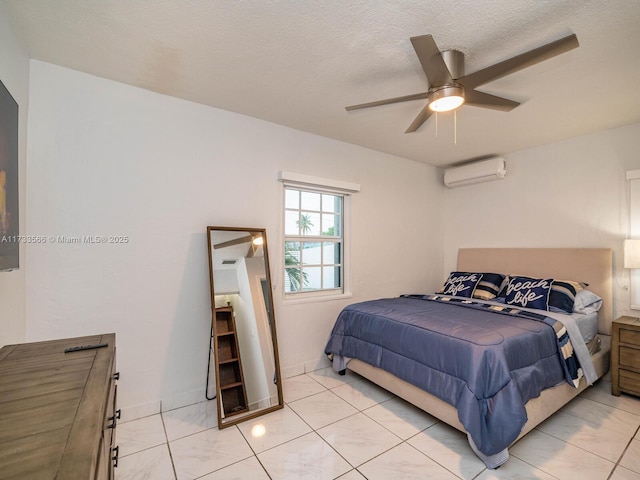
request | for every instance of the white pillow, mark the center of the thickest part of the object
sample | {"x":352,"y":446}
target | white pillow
{"x":587,"y":302}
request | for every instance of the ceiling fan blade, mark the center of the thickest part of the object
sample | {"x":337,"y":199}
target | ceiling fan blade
{"x":405,"y":98}
{"x":519,"y":62}
{"x":486,"y":100}
{"x":235,"y":241}
{"x":422,"y":117}
{"x":431,"y":60}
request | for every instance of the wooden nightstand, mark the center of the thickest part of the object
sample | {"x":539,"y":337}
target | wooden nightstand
{"x":625,"y":356}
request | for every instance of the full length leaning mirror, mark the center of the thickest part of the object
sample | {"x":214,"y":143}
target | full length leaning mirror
{"x":243,"y":330}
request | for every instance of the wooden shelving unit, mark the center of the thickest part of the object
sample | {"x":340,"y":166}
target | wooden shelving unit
{"x":228,"y":364}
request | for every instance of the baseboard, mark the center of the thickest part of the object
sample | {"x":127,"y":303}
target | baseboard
{"x":183,"y":399}
{"x":133,"y":412}
{"x":198,"y":395}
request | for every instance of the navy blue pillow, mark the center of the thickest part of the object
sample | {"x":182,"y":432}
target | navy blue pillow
{"x":528,"y":292}
{"x":563,"y":294}
{"x":489,"y":286}
{"x":461,"y":284}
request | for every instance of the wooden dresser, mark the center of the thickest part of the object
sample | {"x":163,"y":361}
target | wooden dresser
{"x":625,"y":356}
{"x":57,"y":410}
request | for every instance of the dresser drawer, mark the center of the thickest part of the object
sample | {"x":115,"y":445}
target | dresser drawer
{"x":630,"y":381}
{"x":630,"y":336}
{"x":630,"y":357}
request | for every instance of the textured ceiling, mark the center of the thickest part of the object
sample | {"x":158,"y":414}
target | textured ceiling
{"x":300,"y":62}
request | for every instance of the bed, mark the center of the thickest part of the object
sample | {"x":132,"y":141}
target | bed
{"x":547,"y":395}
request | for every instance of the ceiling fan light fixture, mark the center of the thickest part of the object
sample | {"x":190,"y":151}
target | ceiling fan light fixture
{"x":446,"y":98}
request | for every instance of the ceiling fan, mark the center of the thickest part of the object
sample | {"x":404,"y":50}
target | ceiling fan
{"x":449,"y":87}
{"x":256,"y":240}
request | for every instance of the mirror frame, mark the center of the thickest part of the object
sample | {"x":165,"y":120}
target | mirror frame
{"x":232,"y":420}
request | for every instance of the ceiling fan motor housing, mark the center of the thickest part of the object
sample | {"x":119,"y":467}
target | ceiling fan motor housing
{"x":454,"y":60}
{"x":450,"y":95}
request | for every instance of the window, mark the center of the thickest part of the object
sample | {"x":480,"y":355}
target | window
{"x":313,"y":240}
{"x":316,"y":236}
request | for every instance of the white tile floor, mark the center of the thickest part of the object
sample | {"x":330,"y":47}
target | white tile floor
{"x":347,"y":428}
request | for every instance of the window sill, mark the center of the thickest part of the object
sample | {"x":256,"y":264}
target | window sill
{"x":316,"y":297}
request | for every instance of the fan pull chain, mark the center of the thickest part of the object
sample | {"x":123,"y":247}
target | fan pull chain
{"x":455,"y":127}
{"x":436,"y":125}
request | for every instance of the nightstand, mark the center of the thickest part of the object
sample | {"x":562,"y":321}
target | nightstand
{"x":625,"y":356}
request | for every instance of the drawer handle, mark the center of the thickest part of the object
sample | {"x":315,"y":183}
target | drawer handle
{"x":116,"y":376}
{"x":115,"y":417}
{"x":116,"y":452}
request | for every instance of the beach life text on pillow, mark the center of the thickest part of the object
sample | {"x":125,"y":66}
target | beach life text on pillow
{"x":461,"y":284}
{"x":529,"y":292}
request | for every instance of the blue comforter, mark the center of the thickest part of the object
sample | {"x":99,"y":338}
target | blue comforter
{"x":486,"y":364}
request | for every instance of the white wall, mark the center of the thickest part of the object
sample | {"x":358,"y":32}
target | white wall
{"x":14,"y":73}
{"x":109,"y":159}
{"x":566,"y":194}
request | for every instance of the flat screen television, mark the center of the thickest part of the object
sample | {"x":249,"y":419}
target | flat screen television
{"x":9,"y":219}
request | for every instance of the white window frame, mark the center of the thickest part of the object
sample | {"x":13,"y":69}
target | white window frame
{"x":332,"y":187}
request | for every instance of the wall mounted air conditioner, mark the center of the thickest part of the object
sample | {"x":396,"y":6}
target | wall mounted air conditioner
{"x":483,"y":171}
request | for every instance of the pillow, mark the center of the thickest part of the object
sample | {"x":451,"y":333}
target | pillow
{"x":528,"y":292}
{"x":489,"y":286}
{"x":461,"y":284}
{"x":563,"y":294}
{"x":587,"y":302}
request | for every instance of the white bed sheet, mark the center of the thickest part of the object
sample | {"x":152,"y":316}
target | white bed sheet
{"x":588,"y":325}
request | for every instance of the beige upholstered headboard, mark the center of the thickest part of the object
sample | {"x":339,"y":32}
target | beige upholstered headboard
{"x":590,"y":265}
